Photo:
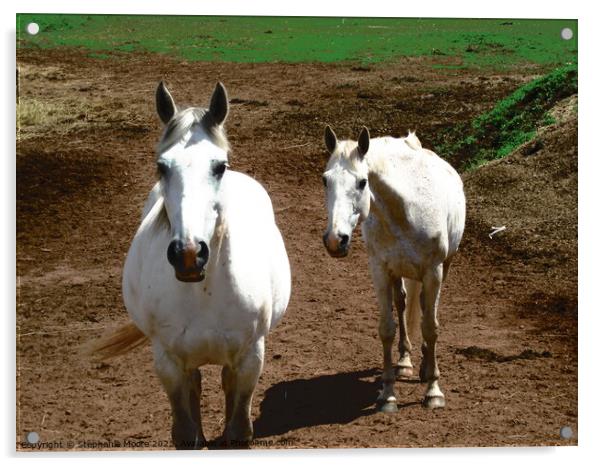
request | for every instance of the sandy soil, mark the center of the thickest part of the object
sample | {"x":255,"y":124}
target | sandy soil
{"x":508,"y":344}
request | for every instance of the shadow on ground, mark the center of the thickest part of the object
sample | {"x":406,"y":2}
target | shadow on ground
{"x":326,"y":399}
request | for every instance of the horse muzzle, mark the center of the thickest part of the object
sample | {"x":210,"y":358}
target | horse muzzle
{"x":336,"y":245}
{"x":191,"y":277}
{"x":188,"y":260}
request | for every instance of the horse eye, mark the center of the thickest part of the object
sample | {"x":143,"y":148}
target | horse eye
{"x":324,"y":181}
{"x":219,"y":169}
{"x":362,"y":184}
{"x":162,"y":168}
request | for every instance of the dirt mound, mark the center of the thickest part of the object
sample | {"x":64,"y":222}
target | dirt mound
{"x":533,"y":193}
{"x":513,"y":121}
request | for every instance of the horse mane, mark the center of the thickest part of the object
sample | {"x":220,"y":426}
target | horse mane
{"x":384,"y":155}
{"x":154,"y":213}
{"x":345,"y":152}
{"x":183,"y":121}
{"x":412,"y":140}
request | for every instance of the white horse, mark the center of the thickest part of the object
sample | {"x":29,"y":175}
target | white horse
{"x":413,"y":210}
{"x":207,"y":275}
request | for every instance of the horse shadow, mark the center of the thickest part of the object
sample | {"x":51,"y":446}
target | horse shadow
{"x":326,"y":399}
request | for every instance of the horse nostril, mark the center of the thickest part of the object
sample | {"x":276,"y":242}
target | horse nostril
{"x":203,"y":253}
{"x":344,"y":240}
{"x":174,"y":250}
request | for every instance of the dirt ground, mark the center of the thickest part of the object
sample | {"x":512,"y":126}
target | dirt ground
{"x":508,"y":313}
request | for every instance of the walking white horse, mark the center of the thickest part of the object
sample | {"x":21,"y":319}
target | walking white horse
{"x":413,"y":210}
{"x":207,"y":275}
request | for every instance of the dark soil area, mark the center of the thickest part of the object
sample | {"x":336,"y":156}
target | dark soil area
{"x":533,"y":193}
{"x":508,"y":344}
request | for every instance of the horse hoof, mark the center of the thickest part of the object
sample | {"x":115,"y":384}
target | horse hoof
{"x":389,"y":406}
{"x":404,"y":372}
{"x":434,"y":402}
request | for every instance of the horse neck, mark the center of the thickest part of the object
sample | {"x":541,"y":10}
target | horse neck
{"x":387,"y":203}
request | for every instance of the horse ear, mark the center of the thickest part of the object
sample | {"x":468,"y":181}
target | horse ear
{"x":330,"y":139}
{"x":363,"y":142}
{"x":218,"y":108}
{"x":166,"y":107}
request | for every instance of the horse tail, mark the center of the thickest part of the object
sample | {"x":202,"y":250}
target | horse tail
{"x":116,"y":343}
{"x":413,"y":308}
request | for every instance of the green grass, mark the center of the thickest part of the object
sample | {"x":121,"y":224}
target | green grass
{"x":512,"y":122}
{"x":482,"y":42}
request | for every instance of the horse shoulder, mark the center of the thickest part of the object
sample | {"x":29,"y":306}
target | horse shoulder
{"x":413,"y":221}
{"x":146,"y":249}
{"x":263,"y":267}
{"x":247,"y":193}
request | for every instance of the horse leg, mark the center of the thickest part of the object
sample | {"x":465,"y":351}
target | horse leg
{"x":404,"y":366}
{"x":386,"y":329}
{"x":228,"y":385}
{"x":183,"y":388}
{"x":242,"y":379}
{"x":446,"y":265}
{"x":429,"y":371}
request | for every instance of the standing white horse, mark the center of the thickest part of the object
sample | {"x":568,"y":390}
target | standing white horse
{"x":413,"y":210}
{"x":207,"y":275}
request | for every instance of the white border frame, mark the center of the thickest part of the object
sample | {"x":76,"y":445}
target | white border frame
{"x":589,"y":193}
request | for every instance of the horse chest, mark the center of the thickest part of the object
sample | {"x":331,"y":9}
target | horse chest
{"x":207,"y":335}
{"x":201,"y":327}
{"x":397,"y":253}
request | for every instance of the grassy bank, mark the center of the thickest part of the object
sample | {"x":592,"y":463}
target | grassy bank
{"x":512,"y":122}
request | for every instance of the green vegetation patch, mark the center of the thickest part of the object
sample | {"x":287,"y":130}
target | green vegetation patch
{"x":454,"y":42}
{"x":512,"y":122}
